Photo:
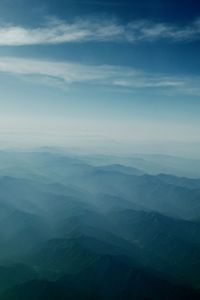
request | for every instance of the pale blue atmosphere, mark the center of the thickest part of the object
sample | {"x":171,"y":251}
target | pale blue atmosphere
{"x":116,"y":73}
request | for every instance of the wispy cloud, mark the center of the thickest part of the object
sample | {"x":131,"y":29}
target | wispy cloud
{"x":62,"y":74}
{"x":57,"y":32}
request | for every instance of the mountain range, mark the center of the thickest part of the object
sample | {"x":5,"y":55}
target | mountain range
{"x":97,"y":227}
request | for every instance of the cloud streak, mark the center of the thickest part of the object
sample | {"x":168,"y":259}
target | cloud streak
{"x":63,"y":74}
{"x":58,"y":32}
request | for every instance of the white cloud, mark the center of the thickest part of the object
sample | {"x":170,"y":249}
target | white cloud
{"x":67,"y":72}
{"x":63,"y":74}
{"x":57,"y":32}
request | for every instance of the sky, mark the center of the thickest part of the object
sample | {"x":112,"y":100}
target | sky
{"x":113,"y":72}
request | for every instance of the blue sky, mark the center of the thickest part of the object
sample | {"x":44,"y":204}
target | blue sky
{"x":123,"y":71}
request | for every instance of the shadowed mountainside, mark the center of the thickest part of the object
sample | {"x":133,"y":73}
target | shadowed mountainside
{"x":72,"y":229}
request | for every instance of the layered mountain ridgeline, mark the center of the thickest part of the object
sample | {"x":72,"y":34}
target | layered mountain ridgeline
{"x":89,"y":227}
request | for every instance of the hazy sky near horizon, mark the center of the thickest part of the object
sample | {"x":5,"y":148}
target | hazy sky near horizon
{"x":114,"y":70}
